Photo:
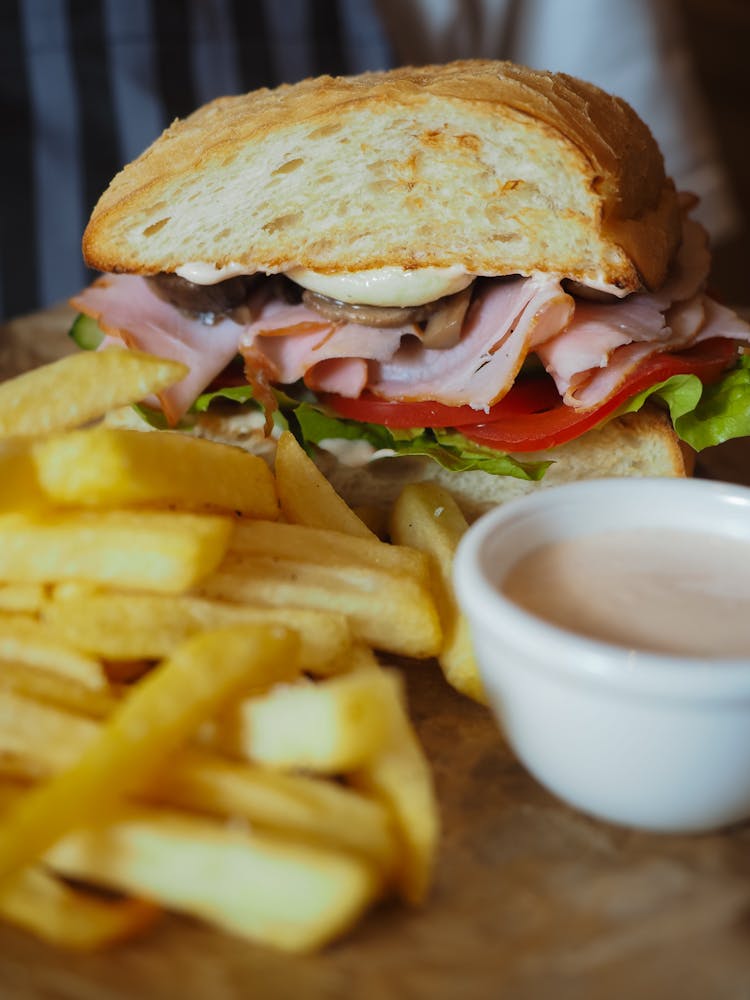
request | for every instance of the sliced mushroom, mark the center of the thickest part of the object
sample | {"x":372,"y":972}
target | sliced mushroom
{"x":444,"y":326}
{"x":210,"y":302}
{"x":382,"y":316}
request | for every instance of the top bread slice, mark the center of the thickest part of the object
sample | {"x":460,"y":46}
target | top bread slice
{"x":488,"y":165}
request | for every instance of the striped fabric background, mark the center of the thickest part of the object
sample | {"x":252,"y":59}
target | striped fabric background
{"x":86,"y":85}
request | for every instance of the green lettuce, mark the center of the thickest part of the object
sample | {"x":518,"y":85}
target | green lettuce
{"x":704,"y":415}
{"x":446,"y":447}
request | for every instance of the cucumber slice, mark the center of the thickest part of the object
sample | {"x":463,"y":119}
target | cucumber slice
{"x":86,"y":332}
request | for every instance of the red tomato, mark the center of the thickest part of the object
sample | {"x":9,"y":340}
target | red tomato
{"x":531,"y":395}
{"x":532,"y":417}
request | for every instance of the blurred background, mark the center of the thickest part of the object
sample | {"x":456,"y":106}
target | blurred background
{"x":86,"y":85}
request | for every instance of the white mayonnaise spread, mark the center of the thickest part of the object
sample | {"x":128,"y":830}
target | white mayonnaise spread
{"x":201,"y":273}
{"x":354,"y":453}
{"x":382,"y":286}
{"x":385,"y":286}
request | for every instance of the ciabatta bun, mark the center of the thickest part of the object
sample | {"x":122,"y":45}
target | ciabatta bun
{"x":536,"y":172}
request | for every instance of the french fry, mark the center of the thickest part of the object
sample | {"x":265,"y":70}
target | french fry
{"x":68,"y":917}
{"x":159,"y":714}
{"x":159,"y":550}
{"x":80,"y":388}
{"x":22,"y":597}
{"x":202,"y":783}
{"x":307,"y":497}
{"x":110,"y":467}
{"x":273,"y":890}
{"x":392,"y":612}
{"x":309,"y":808}
{"x":20,"y":487}
{"x":56,"y":689}
{"x":49,"y":738}
{"x":328,"y":727}
{"x":38,"y":741}
{"x":324,"y":547}
{"x":31,"y":643}
{"x":121,"y":626}
{"x":400,"y":776}
{"x":427,"y":517}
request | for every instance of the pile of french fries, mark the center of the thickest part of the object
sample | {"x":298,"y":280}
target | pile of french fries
{"x":192,"y":714}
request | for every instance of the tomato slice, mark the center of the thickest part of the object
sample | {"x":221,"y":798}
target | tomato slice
{"x":532,"y":417}
{"x":535,"y":394}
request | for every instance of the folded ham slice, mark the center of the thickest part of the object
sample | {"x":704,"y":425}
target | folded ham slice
{"x":506,"y":320}
{"x":591,"y":358}
{"x":129,"y":311}
{"x":296,"y":355}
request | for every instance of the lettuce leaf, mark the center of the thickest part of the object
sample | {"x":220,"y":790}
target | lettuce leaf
{"x":704,"y":415}
{"x":448,"y":448}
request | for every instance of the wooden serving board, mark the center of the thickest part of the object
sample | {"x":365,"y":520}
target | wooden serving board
{"x":531,"y":898}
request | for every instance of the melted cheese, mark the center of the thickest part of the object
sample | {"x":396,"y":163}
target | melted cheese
{"x":385,"y":286}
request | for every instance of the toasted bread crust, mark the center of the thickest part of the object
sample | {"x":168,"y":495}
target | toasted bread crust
{"x":493,"y":166}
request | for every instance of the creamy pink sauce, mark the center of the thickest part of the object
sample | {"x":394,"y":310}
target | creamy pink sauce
{"x":662,"y":591}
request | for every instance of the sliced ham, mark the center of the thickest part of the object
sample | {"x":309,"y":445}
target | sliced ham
{"x":595,"y":332}
{"x":506,"y":320}
{"x":128,"y":310}
{"x":706,"y":319}
{"x":721,"y":322}
{"x":296,"y":355}
{"x":690,"y":270}
{"x":603,"y":343}
{"x":343,"y":376}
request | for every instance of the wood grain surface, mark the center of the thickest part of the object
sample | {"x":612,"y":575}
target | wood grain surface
{"x":531,"y":898}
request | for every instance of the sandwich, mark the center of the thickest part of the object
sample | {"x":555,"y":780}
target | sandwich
{"x":476,"y":272}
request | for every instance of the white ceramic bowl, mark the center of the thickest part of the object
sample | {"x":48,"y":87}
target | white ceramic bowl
{"x":644,"y":739}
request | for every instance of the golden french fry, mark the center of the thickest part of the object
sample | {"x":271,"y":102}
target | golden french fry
{"x":48,"y":737}
{"x":80,"y":388}
{"x":400,"y":776}
{"x":56,"y":689}
{"x":120,"y":626}
{"x":315,"y":810}
{"x":160,"y":712}
{"x":21,"y":597}
{"x":327,"y":727}
{"x":68,"y":917}
{"x":273,"y":890}
{"x":109,"y":467}
{"x":19,"y":487}
{"x":307,"y":497}
{"x":427,"y":517}
{"x":392,"y":612}
{"x":159,"y":550}
{"x":32,"y":643}
{"x":37,"y":741}
{"x":324,"y":547}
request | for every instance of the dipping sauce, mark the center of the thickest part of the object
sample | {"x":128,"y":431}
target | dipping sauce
{"x":648,"y":589}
